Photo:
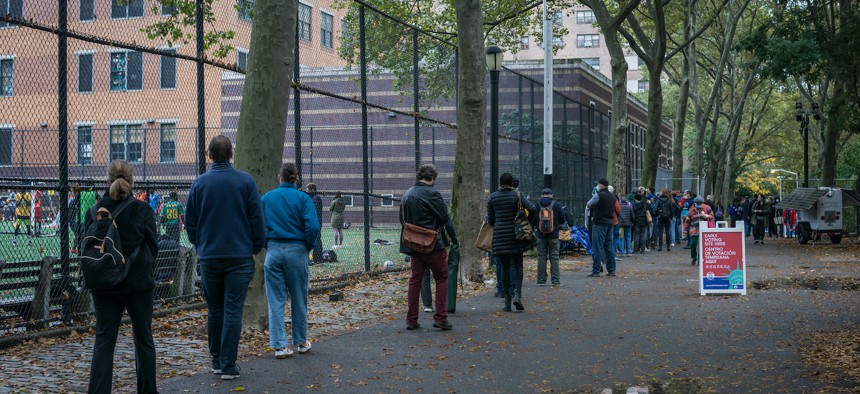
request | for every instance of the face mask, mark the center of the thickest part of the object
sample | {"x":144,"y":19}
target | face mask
{"x":699,"y":206}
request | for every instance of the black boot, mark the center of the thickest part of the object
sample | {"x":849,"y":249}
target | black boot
{"x":507,"y":307}
{"x":517,"y":302}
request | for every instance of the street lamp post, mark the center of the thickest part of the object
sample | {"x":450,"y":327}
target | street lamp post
{"x":796,"y":180}
{"x":494,"y":64}
{"x":803,"y":117}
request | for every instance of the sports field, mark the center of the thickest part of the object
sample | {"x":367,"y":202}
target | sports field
{"x":350,"y":256}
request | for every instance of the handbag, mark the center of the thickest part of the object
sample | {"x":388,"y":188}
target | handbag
{"x":485,"y":238}
{"x":648,"y":216}
{"x":522,"y":225}
{"x":564,"y":235}
{"x":419,"y":239}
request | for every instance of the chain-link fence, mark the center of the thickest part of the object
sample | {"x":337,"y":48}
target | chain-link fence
{"x":373,"y":98}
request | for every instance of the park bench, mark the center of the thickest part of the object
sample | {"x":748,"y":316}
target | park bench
{"x":34,"y":290}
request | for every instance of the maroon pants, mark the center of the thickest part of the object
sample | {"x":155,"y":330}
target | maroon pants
{"x":437,"y":261}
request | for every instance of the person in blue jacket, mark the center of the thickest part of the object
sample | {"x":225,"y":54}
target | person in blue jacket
{"x":293,"y":231}
{"x":224,"y":220}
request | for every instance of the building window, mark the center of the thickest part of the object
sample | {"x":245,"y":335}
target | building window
{"x":643,"y":86}
{"x":85,"y":73}
{"x":13,"y":8}
{"x":245,"y":8}
{"x":126,"y":142}
{"x":524,"y":42}
{"x":167,"y":143}
{"x":304,"y":22}
{"x":586,"y":16}
{"x":593,"y":62}
{"x":347,"y":200}
{"x":126,"y":71}
{"x":7,"y":76}
{"x":558,"y":42}
{"x":85,"y":145}
{"x":587,"y":40}
{"x":557,"y":18}
{"x":86,"y":11}
{"x":327,"y":30}
{"x":168,"y":71}
{"x":242,"y":59}
{"x":120,"y":9}
{"x":5,"y":146}
{"x":168,"y":8}
{"x":387,"y":200}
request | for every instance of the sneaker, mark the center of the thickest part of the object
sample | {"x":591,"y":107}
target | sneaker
{"x":412,"y":327}
{"x":647,"y":250}
{"x":444,"y":325}
{"x":593,"y":275}
{"x":428,"y":309}
{"x":231,"y":375}
{"x":216,"y":371}
{"x":283,"y":353}
{"x":499,"y":295}
{"x":611,"y":274}
{"x":304,"y":347}
{"x":541,"y":284}
{"x":556,"y":284}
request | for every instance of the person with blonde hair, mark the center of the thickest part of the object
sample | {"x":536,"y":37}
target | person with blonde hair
{"x":135,"y":294}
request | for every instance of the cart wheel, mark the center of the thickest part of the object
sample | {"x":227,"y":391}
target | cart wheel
{"x":836,"y":238}
{"x":804,"y":233}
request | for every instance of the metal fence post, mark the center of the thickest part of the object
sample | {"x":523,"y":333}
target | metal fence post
{"x":63,"y":137}
{"x":297,"y":110}
{"x":416,"y":98}
{"x":364,"y":134}
{"x":201,"y":92}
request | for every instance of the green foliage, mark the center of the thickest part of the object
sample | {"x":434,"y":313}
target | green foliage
{"x":179,"y":27}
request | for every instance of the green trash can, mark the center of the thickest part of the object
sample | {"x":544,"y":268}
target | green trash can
{"x":453,"y":273}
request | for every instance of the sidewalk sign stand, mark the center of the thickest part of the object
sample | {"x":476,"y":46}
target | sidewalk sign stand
{"x":722,"y":257}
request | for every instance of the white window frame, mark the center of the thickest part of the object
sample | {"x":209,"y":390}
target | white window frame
{"x":590,"y":42}
{"x":310,"y":21}
{"x":80,"y":7}
{"x":92,"y":72}
{"x":389,"y":197}
{"x":10,"y":25}
{"x":12,"y":58}
{"x":246,"y":16}
{"x":161,"y":58}
{"x":524,"y":42}
{"x":557,"y":18}
{"x":161,"y":124}
{"x":126,"y":124}
{"x":323,"y":14}
{"x":351,"y":200}
{"x":11,"y":144}
{"x":142,"y":70}
{"x":78,"y":125}
{"x":246,"y":52}
{"x":583,"y":20}
{"x":586,"y":59}
{"x":127,"y":5}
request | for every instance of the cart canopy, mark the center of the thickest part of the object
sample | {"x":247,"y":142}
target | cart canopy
{"x":804,"y":198}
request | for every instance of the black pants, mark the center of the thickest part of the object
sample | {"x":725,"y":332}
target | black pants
{"x":758,"y":229}
{"x":109,"y":308}
{"x":640,"y":237}
{"x":663,"y":226}
{"x":517,"y":261}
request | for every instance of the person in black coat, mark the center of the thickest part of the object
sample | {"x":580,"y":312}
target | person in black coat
{"x":135,"y":294}
{"x":502,"y":207}
{"x":640,"y":224}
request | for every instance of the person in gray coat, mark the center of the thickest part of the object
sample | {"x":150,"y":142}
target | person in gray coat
{"x":625,"y":221}
{"x":502,"y":207}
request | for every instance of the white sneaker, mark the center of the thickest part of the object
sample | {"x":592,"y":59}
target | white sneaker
{"x":283,"y":353}
{"x":304,"y":347}
{"x":428,"y":309}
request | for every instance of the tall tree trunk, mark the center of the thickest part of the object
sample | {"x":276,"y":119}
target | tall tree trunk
{"x":467,"y":195}
{"x":681,"y":114}
{"x":263,"y":118}
{"x":617,"y":165}
{"x":655,"y":121}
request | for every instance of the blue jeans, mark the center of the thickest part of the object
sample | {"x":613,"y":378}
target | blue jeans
{"x":287,"y":271}
{"x":601,"y":248}
{"x":624,"y":241}
{"x":225,"y":285}
{"x":616,"y":239}
{"x":512,"y":273}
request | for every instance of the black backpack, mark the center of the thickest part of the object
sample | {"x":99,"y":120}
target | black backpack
{"x":666,"y":209}
{"x":329,"y":256}
{"x":102,"y":261}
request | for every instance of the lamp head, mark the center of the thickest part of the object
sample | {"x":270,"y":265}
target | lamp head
{"x":494,"y":58}
{"x":816,"y":113}
{"x":798,"y":106}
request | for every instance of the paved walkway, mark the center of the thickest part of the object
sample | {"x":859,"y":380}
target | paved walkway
{"x":645,"y":327}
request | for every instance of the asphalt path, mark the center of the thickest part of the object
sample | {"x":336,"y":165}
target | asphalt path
{"x":646,"y":327}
